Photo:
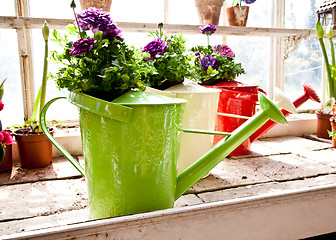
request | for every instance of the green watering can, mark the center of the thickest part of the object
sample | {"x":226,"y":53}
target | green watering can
{"x":131,"y":146}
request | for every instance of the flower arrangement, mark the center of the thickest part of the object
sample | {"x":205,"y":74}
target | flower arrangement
{"x":98,"y":63}
{"x":213,"y":64}
{"x":167,"y":58}
{"x":5,"y":136}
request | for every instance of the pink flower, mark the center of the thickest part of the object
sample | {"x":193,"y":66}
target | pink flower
{"x":223,"y":50}
{"x":6,"y":138}
{"x":1,"y":105}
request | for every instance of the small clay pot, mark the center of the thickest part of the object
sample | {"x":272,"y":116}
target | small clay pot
{"x":237,"y":17}
{"x":323,"y":125}
{"x":209,"y":11}
{"x":7,"y":161}
{"x":104,"y":4}
{"x":35,"y":150}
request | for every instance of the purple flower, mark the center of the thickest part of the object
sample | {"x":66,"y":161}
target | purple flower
{"x":208,"y":29}
{"x":249,"y":1}
{"x":197,"y":54}
{"x":223,"y":50}
{"x":208,"y":61}
{"x":81,"y":46}
{"x":98,"y":20}
{"x":155,"y":47}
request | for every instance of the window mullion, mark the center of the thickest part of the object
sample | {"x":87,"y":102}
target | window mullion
{"x":25,"y":58}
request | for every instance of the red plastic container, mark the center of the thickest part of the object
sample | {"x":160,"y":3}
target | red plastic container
{"x":239,"y":99}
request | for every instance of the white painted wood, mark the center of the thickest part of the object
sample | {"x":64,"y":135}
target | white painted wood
{"x":294,"y":215}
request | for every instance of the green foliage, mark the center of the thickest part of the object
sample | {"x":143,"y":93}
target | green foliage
{"x":107,"y":71}
{"x":227,"y":70}
{"x":170,"y":68}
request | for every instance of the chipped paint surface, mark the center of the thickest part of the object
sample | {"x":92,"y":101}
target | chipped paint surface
{"x":57,"y":195}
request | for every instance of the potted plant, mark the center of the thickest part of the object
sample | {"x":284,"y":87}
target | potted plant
{"x":168,"y":60}
{"x":104,"y":4}
{"x":6,"y":141}
{"x":323,"y":117}
{"x":214,"y":64}
{"x":237,"y":14}
{"x":34,"y":149}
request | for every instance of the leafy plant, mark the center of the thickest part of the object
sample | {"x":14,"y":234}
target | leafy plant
{"x":167,"y":60}
{"x":214,"y":62}
{"x":99,"y":63}
{"x":331,"y":68}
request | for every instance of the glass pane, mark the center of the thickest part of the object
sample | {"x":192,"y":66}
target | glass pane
{"x":61,"y":110}
{"x":52,"y":9}
{"x":10,"y":69}
{"x":304,"y":65}
{"x":7,"y":8}
{"x":254,"y":55}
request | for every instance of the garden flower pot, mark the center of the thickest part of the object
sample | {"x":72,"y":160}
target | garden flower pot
{"x":35,"y":150}
{"x":199,"y":113}
{"x":237,"y":17}
{"x":209,"y":11}
{"x":323,"y":125}
{"x":104,"y":4}
{"x":7,"y":162}
{"x":131,"y":146}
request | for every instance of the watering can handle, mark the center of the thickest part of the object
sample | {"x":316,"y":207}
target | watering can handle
{"x":53,"y":140}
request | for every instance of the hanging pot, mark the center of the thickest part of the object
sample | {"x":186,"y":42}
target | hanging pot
{"x":7,"y":161}
{"x":35,"y":150}
{"x":237,"y":16}
{"x":323,"y":125}
{"x":104,"y":4}
{"x":209,"y":11}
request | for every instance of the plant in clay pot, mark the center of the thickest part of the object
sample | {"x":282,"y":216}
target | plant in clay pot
{"x":237,"y":14}
{"x":34,"y":148}
{"x":323,"y":116}
{"x":213,"y":64}
{"x":168,"y":60}
{"x":6,"y":141}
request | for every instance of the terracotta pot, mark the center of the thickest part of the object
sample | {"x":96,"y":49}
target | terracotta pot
{"x":323,"y":125}
{"x":209,"y":11}
{"x":237,"y":17}
{"x":333,"y":129}
{"x":7,"y":161}
{"x":35,"y":150}
{"x":104,"y":4}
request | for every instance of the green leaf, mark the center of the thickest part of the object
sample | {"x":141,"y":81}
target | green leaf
{"x":319,"y":30}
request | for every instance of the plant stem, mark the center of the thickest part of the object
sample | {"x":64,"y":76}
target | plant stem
{"x":330,"y":81}
{"x":44,"y":80}
{"x":79,"y":30}
{"x":332,"y":51}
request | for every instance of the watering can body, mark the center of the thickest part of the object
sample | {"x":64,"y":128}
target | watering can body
{"x":131,"y":145}
{"x":199,"y":113}
{"x":130,"y":163}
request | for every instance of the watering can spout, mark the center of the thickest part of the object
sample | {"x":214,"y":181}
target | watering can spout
{"x":224,"y":147}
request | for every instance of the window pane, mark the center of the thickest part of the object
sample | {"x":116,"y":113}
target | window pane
{"x":10,"y":69}
{"x":7,"y":8}
{"x":304,"y":65}
{"x":51,"y":9}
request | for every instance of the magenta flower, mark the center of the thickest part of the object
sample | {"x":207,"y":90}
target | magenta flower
{"x":155,"y":47}
{"x":208,"y":61}
{"x":6,"y":138}
{"x":81,"y":46}
{"x":1,"y":105}
{"x":98,"y":20}
{"x":208,"y":29}
{"x":223,"y":50}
